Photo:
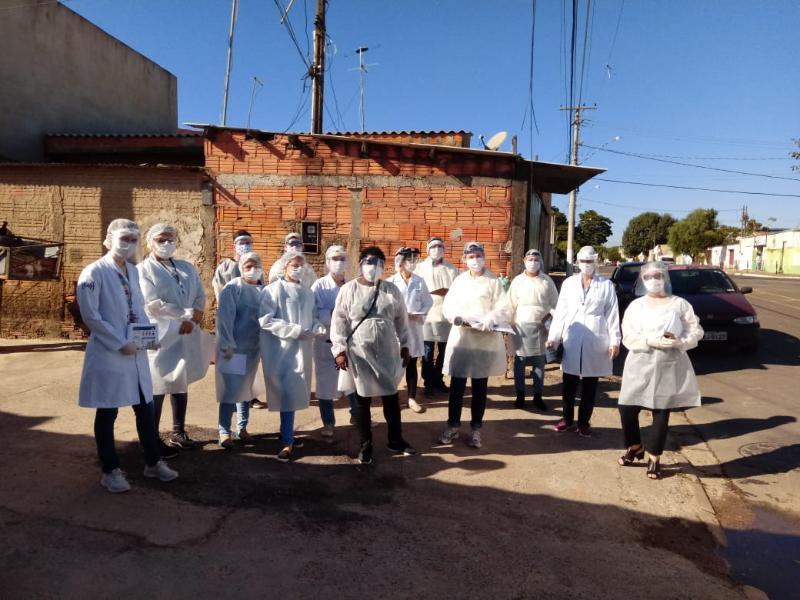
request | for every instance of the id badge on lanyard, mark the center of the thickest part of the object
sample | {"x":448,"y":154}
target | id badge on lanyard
{"x":132,"y":316}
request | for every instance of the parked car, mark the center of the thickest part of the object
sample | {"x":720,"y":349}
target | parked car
{"x":726,"y":316}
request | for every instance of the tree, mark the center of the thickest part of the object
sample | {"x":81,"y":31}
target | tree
{"x":646,"y":230}
{"x":697,"y":232}
{"x":730,"y":234}
{"x":561,"y":232}
{"x":593,"y":230}
{"x":613,"y":254}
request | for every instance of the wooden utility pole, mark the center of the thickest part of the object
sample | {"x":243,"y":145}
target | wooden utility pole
{"x":317,"y":71}
{"x":573,"y":195}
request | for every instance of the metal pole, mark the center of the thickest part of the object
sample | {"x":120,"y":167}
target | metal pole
{"x":362,"y":83}
{"x":234,"y":8}
{"x":318,"y":69}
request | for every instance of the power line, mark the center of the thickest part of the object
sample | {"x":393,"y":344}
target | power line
{"x":290,"y":30}
{"x":586,"y":45}
{"x":718,"y":157}
{"x":683,"y":164}
{"x":683,"y":210}
{"x":529,"y":106}
{"x":616,"y":32}
{"x":701,"y":189}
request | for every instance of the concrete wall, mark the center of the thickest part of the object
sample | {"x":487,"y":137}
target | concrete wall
{"x":777,"y":252}
{"x":74,"y":204}
{"x":61,"y":73}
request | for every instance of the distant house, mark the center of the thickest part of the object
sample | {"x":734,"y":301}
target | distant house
{"x":766,"y":251}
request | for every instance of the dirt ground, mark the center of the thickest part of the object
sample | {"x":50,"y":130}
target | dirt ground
{"x":533,"y":514}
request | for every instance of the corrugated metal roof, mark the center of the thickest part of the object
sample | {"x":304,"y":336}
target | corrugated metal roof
{"x":103,"y":165}
{"x":184,"y":133}
{"x":340,"y":133}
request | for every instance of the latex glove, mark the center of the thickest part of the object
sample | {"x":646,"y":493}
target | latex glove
{"x":341,"y":361}
{"x":186,"y":327}
{"x":487,"y":323}
{"x":129,"y":348}
{"x":227,"y":353}
{"x":662,"y":343}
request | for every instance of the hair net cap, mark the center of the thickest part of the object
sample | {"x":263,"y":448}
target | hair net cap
{"x":158,"y":229}
{"x":119,"y":227}
{"x":287,"y":257}
{"x":533,"y":252}
{"x":435,"y":241}
{"x":292,"y":236}
{"x":241,"y":236}
{"x":655,"y":266}
{"x":249,"y":256}
{"x":473,"y":247}
{"x":335,"y":250}
{"x":587,"y":253}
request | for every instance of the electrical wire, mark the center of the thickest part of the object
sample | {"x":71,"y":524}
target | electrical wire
{"x":586,"y":45}
{"x":701,"y":189}
{"x":290,"y":30}
{"x":329,"y":70}
{"x":616,"y":32}
{"x":683,"y":164}
{"x":529,"y":105}
{"x":302,"y":106}
{"x":650,"y":208}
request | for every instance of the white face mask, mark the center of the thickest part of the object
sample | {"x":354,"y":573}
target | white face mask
{"x":337,"y":267}
{"x":242,"y":249}
{"x":296,"y":273}
{"x":123,"y":250}
{"x":533,"y":266}
{"x":476,"y":264}
{"x":436,"y":253}
{"x":372,"y":272}
{"x":253,"y":274}
{"x":586,"y":268}
{"x":654,"y":286}
{"x":164,"y":249}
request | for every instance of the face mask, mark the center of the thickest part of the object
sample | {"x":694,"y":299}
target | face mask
{"x":476,"y":264}
{"x":241,"y":249}
{"x":533,"y":266}
{"x":123,"y":250}
{"x":372,"y":272}
{"x":655,"y":286}
{"x":337,"y":267}
{"x":254,"y":274}
{"x":586,"y":268}
{"x":296,"y":273}
{"x":164,"y":249}
{"x":436,"y":253}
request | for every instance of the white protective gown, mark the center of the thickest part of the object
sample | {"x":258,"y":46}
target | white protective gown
{"x":442,"y":275}
{"x":226,"y":270}
{"x":238,"y":328}
{"x":308,"y":278}
{"x":587,"y":323}
{"x":327,"y":377}
{"x":418,"y":302}
{"x":109,"y":378}
{"x":532,"y":299}
{"x":654,"y":378}
{"x":373,"y":351}
{"x":172,"y":291}
{"x":287,"y":309}
{"x":473,"y":353}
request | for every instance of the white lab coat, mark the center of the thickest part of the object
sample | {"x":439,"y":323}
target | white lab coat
{"x":654,"y":378}
{"x":181,"y":359}
{"x":587,"y":324}
{"x":238,"y":328}
{"x":418,"y":302}
{"x":308,"y":278}
{"x":373,"y":351}
{"x":226,"y":270}
{"x":436,"y":327}
{"x":327,"y":376}
{"x":109,"y":378}
{"x":470,"y":352}
{"x":532,"y":299}
{"x":287,"y":310}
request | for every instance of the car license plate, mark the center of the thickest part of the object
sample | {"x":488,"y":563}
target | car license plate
{"x":715,"y":336}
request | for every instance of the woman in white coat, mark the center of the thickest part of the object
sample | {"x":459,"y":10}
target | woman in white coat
{"x":326,"y":290}
{"x":288,"y":319}
{"x":475,"y":304}
{"x":175,"y":300}
{"x":658,"y":329}
{"x":418,"y":302}
{"x":586,"y":322}
{"x":238,"y":350}
{"x":115,"y":371}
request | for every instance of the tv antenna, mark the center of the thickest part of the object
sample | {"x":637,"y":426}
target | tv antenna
{"x":362,"y":79}
{"x":253,"y":92}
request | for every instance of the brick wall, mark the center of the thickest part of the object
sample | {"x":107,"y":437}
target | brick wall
{"x":74,"y":204}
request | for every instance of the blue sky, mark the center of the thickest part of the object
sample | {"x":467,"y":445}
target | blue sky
{"x":701,"y":80}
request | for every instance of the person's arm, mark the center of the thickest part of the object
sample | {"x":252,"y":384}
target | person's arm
{"x":199,"y":303}
{"x":450,"y":306}
{"x":612,"y":314}
{"x":556,"y":331}
{"x":218,"y":281}
{"x":692,"y":331}
{"x":226,"y":317}
{"x":89,"y":287}
{"x":427,"y":299}
{"x":340,"y":320}
{"x":270,"y":318}
{"x":632,"y":333}
{"x":552,"y":296}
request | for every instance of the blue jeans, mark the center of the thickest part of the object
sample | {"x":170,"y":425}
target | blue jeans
{"x":432,"y":369}
{"x":326,"y":410}
{"x":538,"y":363}
{"x":226,"y":412}
{"x":287,"y":427}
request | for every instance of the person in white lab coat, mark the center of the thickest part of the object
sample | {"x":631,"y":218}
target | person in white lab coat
{"x":418,"y":302}
{"x":326,"y":289}
{"x":368,"y":320}
{"x":115,"y":371}
{"x":475,"y":304}
{"x":438,"y":274}
{"x":657,"y":329}
{"x":238,"y":349}
{"x":174,"y":300}
{"x":227,"y":270}
{"x":586,"y":322}
{"x":533,"y":297}
{"x":288,"y":319}
{"x":293,"y":242}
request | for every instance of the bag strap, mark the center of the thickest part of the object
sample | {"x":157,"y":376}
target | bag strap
{"x":369,"y":310}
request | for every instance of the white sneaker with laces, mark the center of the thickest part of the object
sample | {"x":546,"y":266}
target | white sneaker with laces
{"x":475,"y":439}
{"x":415,"y":406}
{"x":161,"y":471}
{"x":115,"y":482}
{"x":448,"y":435}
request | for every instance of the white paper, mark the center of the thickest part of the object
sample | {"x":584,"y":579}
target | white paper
{"x":236,"y":365}
{"x":144,"y":335}
{"x":501,"y":328}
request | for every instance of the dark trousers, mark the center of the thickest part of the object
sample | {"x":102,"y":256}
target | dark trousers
{"x":179,"y":402}
{"x":411,"y":377}
{"x":657,"y":438}
{"x":432,"y":368}
{"x":104,"y":420}
{"x":456,"y":401}
{"x":569,"y":388}
{"x":391,"y":412}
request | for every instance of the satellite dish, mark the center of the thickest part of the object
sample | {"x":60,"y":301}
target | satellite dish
{"x":495,"y":141}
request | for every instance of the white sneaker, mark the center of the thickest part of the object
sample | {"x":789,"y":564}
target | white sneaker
{"x":327,"y":431}
{"x":448,"y":435}
{"x":115,"y":482}
{"x":415,"y":406}
{"x":161,"y":471}
{"x":475,"y":439}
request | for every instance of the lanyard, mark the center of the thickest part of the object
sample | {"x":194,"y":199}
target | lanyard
{"x":175,"y":274}
{"x":132,"y":316}
{"x":585,"y":292}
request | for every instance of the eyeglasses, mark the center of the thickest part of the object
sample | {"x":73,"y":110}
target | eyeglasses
{"x":652,"y":276}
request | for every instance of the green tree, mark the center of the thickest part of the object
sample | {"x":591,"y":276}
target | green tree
{"x":561,"y":232}
{"x":730,"y":234}
{"x":697,"y":232}
{"x":593,"y":230}
{"x":646,"y":230}
{"x":613,"y":254}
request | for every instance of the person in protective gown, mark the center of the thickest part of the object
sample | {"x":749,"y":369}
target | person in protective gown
{"x":293,"y":242}
{"x":658,"y":329}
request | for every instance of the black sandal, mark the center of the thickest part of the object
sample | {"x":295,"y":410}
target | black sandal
{"x":631,"y":454}
{"x":653,"y":469}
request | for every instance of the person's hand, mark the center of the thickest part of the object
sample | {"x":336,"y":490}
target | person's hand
{"x":227,"y":353}
{"x":417,"y":318}
{"x":186,"y":327}
{"x":197,"y":316}
{"x":662,"y":343}
{"x":405,"y":355}
{"x":129,"y":348}
{"x":549,"y":345}
{"x":613,"y":351}
{"x":341,"y":361}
